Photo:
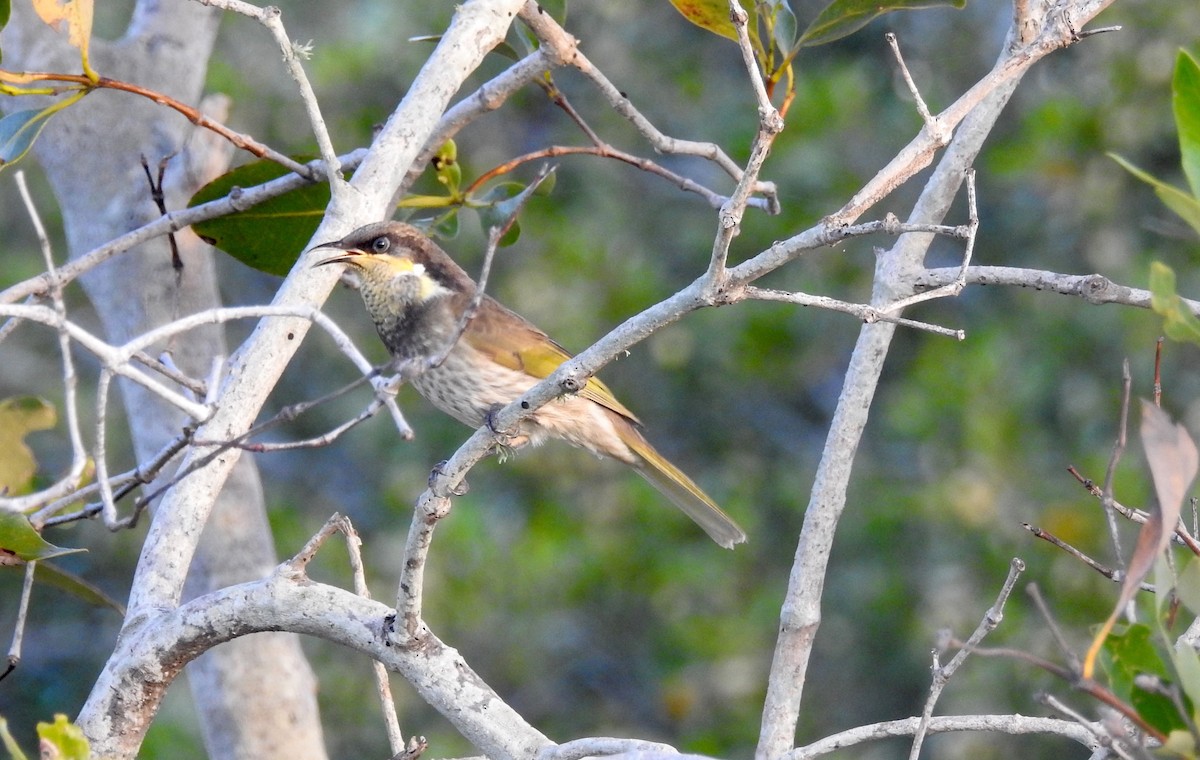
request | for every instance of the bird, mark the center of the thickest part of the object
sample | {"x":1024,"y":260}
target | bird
{"x":417,"y":295}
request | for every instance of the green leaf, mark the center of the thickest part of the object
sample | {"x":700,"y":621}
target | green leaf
{"x":18,"y":538}
{"x":5,"y":8}
{"x":10,"y":744}
{"x":842,"y":18}
{"x":1179,"y":323}
{"x":19,"y":417}
{"x":445,"y":226}
{"x":66,"y":737}
{"x":505,"y":201}
{"x":1131,"y":653}
{"x":784,"y":25}
{"x":427,"y":201}
{"x":1185,"y":99}
{"x":502,"y":201}
{"x":1186,"y":206}
{"x":271,"y":235}
{"x":1187,"y":666}
{"x":712,"y":15}
{"x":19,"y":130}
{"x":1157,"y":709}
{"x":1188,"y":587}
{"x":74,"y":585}
{"x":445,"y":165}
{"x":1128,"y":654}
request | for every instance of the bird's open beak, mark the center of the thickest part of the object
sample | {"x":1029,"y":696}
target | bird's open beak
{"x":347,"y":257}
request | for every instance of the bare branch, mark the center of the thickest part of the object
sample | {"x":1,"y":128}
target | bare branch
{"x":943,"y":674}
{"x":79,"y":459}
{"x":241,"y":199}
{"x":14,"y":649}
{"x":1093,"y":288}
{"x":1016,"y":725}
{"x":602,"y":746}
{"x":288,"y":601}
{"x":564,"y":49}
{"x":1113,"y":575}
{"x":272,"y":18}
{"x":866,"y":313}
{"x":932,"y":124}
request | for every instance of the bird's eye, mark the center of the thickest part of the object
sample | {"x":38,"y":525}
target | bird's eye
{"x":381,"y":244}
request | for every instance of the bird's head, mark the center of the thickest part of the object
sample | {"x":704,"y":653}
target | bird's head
{"x":396,"y":259}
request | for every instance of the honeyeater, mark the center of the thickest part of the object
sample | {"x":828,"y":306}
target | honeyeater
{"x":416,"y":295}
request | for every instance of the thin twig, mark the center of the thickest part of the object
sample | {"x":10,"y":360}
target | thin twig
{"x":314,"y":442}
{"x":1113,"y":575}
{"x":1058,"y":705}
{"x":297,"y":567}
{"x":79,"y":458}
{"x":238,"y":199}
{"x":943,"y":674}
{"x":115,"y":360}
{"x":1158,"y":353}
{"x":1072,"y":676}
{"x":239,"y":140}
{"x":932,"y":123}
{"x":1182,"y":535}
{"x":14,"y":650}
{"x":864,"y":312}
{"x":165,"y":367}
{"x":954,"y":288}
{"x":1107,"y":499}
{"x":1035,"y":593}
{"x":564,"y":51}
{"x":770,"y":124}
{"x":122,"y":485}
{"x":156,"y":195}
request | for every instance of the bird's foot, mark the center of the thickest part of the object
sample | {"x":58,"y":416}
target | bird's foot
{"x":437,"y":472}
{"x":503,"y":451}
{"x":506,"y":441}
{"x":504,"y":438}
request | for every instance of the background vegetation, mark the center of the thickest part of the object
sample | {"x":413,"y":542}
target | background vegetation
{"x":577,"y":593}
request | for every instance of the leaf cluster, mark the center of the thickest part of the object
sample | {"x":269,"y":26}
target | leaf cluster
{"x":776,"y":38}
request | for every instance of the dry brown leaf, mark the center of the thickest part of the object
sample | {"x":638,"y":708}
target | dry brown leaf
{"x":1173,"y":461}
{"x":76,"y":15}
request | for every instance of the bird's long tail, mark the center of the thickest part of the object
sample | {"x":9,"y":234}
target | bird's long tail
{"x":683,"y":492}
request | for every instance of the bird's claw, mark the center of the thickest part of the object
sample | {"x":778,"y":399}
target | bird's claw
{"x":437,"y":472}
{"x":506,"y":441}
{"x":489,"y":419}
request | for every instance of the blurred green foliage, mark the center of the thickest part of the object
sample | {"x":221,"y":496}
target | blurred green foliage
{"x":567,"y":583}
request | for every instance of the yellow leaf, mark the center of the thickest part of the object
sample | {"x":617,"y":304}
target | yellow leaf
{"x":19,"y":416}
{"x":76,"y":15}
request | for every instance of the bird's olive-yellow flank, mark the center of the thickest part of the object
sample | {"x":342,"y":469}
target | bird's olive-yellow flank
{"x":416,"y":294}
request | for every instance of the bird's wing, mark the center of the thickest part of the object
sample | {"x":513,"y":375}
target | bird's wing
{"x":513,"y":342}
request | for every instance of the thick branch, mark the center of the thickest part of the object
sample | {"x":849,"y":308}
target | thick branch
{"x":287,"y":601}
